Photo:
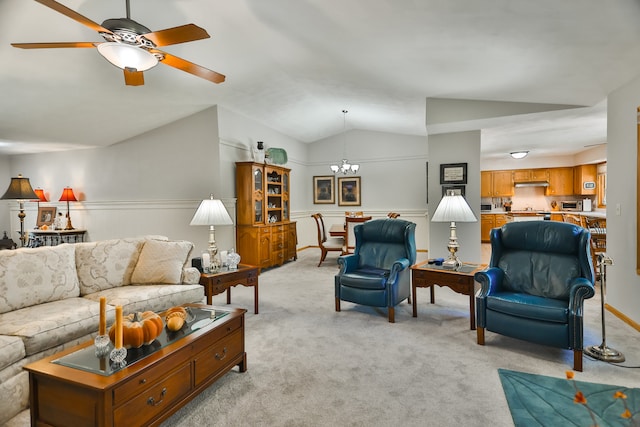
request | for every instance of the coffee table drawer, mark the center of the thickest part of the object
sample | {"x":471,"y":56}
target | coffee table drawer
{"x":212,"y":360}
{"x":155,"y":399}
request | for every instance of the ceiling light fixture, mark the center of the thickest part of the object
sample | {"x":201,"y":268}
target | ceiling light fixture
{"x":345,"y":167}
{"x":127,"y":56}
{"x":519,"y":154}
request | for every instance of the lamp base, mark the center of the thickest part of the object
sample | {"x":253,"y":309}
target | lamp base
{"x":604,"y":353}
{"x":451,"y":263}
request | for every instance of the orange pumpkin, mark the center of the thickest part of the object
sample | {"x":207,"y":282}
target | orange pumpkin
{"x":138,"y":329}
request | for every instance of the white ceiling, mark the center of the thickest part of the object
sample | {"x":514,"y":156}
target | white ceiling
{"x":295,"y":64}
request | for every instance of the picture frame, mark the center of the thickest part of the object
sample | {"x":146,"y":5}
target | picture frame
{"x":46,"y":215}
{"x":458,"y":190}
{"x":349,"y":191}
{"x":453,"y":173}
{"x":324,"y":191}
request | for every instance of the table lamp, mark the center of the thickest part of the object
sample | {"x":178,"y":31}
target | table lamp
{"x":212,"y":212}
{"x":453,"y":208}
{"x":68,"y":196}
{"x":41,"y":197}
{"x":20,"y":190}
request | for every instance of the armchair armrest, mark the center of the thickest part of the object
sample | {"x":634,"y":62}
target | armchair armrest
{"x":490,"y":281}
{"x":348,"y":263}
{"x":399,"y":265}
{"x":581,"y":289}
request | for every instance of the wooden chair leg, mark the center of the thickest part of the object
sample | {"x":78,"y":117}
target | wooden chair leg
{"x":392,"y":315}
{"x":322,"y":256}
{"x":577,"y":360}
{"x":337,"y":304}
{"x":480,"y":335}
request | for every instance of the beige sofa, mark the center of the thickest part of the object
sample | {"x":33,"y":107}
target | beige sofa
{"x":49,"y":298}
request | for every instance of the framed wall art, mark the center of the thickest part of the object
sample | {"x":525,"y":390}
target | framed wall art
{"x":453,"y":173}
{"x":46,"y":216}
{"x":458,"y":190}
{"x":349,"y":191}
{"x":324,"y":190}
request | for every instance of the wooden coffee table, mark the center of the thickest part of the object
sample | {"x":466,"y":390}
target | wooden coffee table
{"x":65,"y":389}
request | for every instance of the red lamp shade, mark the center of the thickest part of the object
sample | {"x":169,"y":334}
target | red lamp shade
{"x":67,"y":195}
{"x":40,"y":193}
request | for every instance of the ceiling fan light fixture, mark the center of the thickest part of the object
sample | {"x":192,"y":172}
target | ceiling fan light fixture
{"x":519,"y":154}
{"x":127,"y":56}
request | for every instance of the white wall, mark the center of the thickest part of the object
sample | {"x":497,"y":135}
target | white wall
{"x":5,"y":178}
{"x":459,"y":147}
{"x":623,"y":283}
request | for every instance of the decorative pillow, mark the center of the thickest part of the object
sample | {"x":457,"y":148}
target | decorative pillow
{"x":161,"y":262}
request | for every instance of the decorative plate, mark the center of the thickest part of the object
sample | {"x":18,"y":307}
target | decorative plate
{"x":277,"y":156}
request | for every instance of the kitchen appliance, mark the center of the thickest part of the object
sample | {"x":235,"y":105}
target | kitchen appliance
{"x":571,"y":205}
{"x":485,"y":207}
{"x":586,"y":205}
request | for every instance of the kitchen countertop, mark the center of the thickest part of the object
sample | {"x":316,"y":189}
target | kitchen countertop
{"x":596,"y":214}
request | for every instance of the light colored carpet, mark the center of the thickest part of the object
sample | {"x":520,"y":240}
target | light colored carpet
{"x":311,"y":366}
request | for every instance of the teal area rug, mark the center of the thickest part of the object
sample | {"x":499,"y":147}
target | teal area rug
{"x":537,"y":400}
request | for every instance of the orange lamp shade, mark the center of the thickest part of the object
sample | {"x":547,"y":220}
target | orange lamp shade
{"x":40,"y":193}
{"x":67,"y":195}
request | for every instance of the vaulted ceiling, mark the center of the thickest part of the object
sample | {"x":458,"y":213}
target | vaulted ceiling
{"x":295,"y":64}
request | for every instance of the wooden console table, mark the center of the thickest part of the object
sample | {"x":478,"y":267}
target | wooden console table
{"x":461,"y":281}
{"x":145,"y":392}
{"x":54,"y":237}
{"x":217,"y":283}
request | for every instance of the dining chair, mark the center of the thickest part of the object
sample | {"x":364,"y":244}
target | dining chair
{"x":354,"y":214}
{"x":393,"y":215}
{"x":598,"y":229}
{"x":349,"y":236}
{"x":326,"y":244}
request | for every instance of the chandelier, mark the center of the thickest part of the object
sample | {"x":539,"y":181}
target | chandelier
{"x":345,"y":167}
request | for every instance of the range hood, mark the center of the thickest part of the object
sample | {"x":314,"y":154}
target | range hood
{"x":532,"y":184}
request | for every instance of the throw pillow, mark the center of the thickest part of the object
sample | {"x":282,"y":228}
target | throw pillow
{"x":161,"y":262}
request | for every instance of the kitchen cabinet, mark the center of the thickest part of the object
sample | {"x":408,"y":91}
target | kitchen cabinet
{"x":265,"y":235}
{"x":487,"y":222}
{"x":584,"y":174}
{"x":496,"y":183}
{"x":560,"y":182}
{"x":530,"y":175}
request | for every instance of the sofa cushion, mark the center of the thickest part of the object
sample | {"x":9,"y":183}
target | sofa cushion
{"x":150,"y":297}
{"x":11,"y":350}
{"x":161,"y":262}
{"x":50,"y":324}
{"x":32,"y":276}
{"x":107,"y":263}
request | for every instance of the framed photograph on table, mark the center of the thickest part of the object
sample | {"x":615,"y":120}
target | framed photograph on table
{"x":458,"y":190}
{"x":46,"y":216}
{"x":349,"y":191}
{"x":453,"y":173}
{"x":324,"y":190}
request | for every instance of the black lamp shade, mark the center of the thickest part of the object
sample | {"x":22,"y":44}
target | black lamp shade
{"x":19,"y":189}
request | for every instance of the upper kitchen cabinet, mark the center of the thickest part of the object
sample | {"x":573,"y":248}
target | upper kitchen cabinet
{"x":496,"y":183}
{"x":530,"y":175}
{"x":584,"y":179}
{"x":560,"y":182}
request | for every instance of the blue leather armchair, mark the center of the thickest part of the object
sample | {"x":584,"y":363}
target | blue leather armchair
{"x":539,"y":275}
{"x":377,"y":274}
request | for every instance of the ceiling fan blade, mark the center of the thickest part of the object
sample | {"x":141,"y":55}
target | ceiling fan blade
{"x":190,"y":67}
{"x":73,"y":15}
{"x":49,"y":45}
{"x":133,"y":77}
{"x":175,"y":35}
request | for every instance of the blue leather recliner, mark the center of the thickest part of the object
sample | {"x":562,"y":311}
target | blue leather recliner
{"x":539,"y":275}
{"x":377,"y":274}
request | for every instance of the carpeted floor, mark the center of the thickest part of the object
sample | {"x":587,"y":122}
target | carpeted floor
{"x":540,"y":400}
{"x":311,"y":366}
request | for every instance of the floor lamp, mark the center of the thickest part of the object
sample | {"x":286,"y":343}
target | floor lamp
{"x":602,"y":352}
{"x":20,"y":190}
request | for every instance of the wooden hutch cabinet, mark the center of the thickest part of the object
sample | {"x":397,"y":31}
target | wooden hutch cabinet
{"x":266,"y":237}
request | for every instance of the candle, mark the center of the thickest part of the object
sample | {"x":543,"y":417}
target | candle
{"x":206,"y":260}
{"x":103,"y":316}
{"x":118,"y":326}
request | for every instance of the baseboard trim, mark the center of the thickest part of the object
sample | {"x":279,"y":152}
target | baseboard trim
{"x":623,"y":317}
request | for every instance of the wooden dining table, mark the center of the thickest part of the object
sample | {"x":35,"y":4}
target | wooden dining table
{"x":337,"y":230}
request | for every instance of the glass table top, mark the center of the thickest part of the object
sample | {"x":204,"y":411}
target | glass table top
{"x":86,"y":359}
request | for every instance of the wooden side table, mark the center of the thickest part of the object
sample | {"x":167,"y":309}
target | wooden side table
{"x":217,"y":283}
{"x":461,"y":281}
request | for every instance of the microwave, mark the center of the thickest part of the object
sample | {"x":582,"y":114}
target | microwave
{"x":571,"y":205}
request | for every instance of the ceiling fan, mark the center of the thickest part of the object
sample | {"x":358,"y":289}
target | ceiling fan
{"x":132,"y":46}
